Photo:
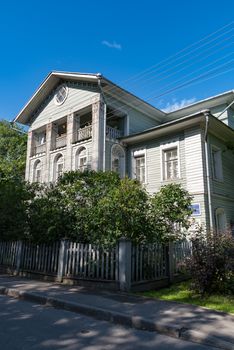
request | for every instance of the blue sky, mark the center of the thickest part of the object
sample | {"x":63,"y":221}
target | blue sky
{"x":119,"y":39}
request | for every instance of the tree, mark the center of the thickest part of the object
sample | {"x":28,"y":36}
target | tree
{"x":90,"y":206}
{"x":13,"y":146}
{"x":170,"y":210}
{"x":14,"y":197}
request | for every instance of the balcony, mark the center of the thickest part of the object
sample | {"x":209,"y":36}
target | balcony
{"x":61,"y":141}
{"x":39,"y":148}
{"x":113,"y":133}
{"x":84,"y":133}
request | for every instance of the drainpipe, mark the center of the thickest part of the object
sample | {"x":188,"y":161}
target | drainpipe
{"x":208,"y":172}
{"x":104,"y":131}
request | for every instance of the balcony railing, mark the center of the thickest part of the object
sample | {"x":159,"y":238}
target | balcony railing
{"x":84,"y":133}
{"x":39,"y":148}
{"x":60,"y":141}
{"x":112,"y":133}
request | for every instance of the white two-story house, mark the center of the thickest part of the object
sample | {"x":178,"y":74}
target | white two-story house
{"x":78,"y":121}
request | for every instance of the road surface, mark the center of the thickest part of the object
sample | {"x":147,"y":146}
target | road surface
{"x":25,"y":325}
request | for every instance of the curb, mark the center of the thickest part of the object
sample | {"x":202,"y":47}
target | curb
{"x":136,"y":322}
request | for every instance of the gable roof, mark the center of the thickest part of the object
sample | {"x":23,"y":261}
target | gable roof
{"x":54,"y":78}
{"x":216,"y":127}
{"x":208,"y":103}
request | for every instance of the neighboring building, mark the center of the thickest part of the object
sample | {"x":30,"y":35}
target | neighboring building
{"x":80,"y":121}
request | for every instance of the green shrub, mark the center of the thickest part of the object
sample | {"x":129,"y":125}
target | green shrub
{"x":212,"y":263}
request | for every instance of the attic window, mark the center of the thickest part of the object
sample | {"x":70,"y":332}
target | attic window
{"x":60,"y":95}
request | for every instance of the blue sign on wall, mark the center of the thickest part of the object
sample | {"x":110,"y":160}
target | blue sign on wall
{"x":196,"y":208}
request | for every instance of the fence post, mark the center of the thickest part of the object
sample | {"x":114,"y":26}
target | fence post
{"x":18,"y":257}
{"x":125,"y":262}
{"x":62,"y":259}
{"x":170,"y":261}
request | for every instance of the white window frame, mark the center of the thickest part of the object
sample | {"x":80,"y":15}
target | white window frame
{"x":36,"y":169}
{"x":219,"y":164}
{"x":122,"y":160}
{"x":137,"y":153}
{"x":59,"y":103}
{"x":78,"y":158}
{"x":166,"y":147}
{"x":55,"y":170}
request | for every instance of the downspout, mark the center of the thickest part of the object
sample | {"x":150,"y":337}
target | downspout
{"x":208,"y":172}
{"x":104,"y":131}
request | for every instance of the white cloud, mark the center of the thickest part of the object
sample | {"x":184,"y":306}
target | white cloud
{"x":174,"y":105}
{"x":112,"y":45}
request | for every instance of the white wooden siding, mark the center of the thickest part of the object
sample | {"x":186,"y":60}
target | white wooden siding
{"x":78,"y":98}
{"x":193,"y":161}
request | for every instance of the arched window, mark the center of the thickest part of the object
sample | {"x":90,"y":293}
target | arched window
{"x":118,"y":160}
{"x":58,"y":166}
{"x":221,"y":222}
{"x":37,"y":171}
{"x":81,"y":159}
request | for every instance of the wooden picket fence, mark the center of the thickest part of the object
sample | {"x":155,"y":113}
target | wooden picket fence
{"x":125,"y":265}
{"x":148,"y":262}
{"x":93,"y":262}
{"x":8,"y":254}
{"x":41,"y":258}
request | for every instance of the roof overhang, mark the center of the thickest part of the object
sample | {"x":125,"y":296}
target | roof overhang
{"x":54,"y":78}
{"x":216,"y":127}
{"x":222,"y":99}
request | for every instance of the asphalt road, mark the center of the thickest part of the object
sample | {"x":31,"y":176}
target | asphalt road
{"x":25,"y":325}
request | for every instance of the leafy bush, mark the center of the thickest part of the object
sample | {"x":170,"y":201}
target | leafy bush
{"x":170,"y":211}
{"x":212,"y":263}
{"x":14,"y":196}
{"x":90,"y":206}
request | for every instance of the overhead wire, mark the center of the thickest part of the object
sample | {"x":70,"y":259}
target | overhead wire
{"x":108,"y":90}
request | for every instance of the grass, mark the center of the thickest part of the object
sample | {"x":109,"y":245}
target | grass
{"x":180,"y":292}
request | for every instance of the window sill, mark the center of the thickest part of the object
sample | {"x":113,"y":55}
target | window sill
{"x":172,"y":180}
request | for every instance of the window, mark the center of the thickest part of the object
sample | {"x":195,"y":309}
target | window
{"x":170,"y":162}
{"x":58,"y":167}
{"x":115,"y":165}
{"x":62,"y":129}
{"x":60,"y":95}
{"x":41,"y":138}
{"x":139,"y":165}
{"x":118,"y":160}
{"x":220,"y":220}
{"x":81,"y":159}
{"x":140,"y":168}
{"x":37,"y":171}
{"x":217,"y":163}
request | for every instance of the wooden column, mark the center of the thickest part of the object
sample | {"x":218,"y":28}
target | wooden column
{"x":98,"y":134}
{"x":28,"y":176}
{"x":48,"y":167}
{"x":70,"y":138}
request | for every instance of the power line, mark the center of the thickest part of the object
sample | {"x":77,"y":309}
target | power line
{"x":197,"y":70}
{"x":183,"y":50}
{"x":189,"y":60}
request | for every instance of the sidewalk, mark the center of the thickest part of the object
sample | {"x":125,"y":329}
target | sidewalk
{"x":182,"y":321}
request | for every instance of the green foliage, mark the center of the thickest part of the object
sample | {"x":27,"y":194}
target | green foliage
{"x":13,"y":145}
{"x":170,"y":210}
{"x":89,"y":206}
{"x":182,"y":293}
{"x":212,"y":263}
{"x":14,"y":196}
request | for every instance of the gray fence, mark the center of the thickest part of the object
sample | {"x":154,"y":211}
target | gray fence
{"x":126,"y":266}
